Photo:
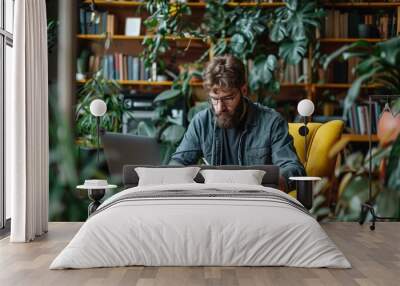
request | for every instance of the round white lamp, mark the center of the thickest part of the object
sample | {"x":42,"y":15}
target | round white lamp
{"x":98,"y":108}
{"x":305,"y":108}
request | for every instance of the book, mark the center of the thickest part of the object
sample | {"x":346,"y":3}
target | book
{"x":132,"y":26}
{"x":82,"y":20}
{"x":136,"y":68}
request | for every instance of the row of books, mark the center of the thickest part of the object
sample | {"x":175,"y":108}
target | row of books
{"x":359,"y":120}
{"x":119,"y":67}
{"x":339,"y":24}
{"x":96,"y":22}
{"x":339,"y":72}
{"x":294,"y":73}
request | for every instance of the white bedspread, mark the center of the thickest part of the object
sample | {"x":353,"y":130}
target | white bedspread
{"x":184,"y":231}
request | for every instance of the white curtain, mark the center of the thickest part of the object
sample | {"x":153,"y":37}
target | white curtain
{"x":27,"y":144}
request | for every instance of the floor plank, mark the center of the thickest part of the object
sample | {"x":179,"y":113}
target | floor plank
{"x":375,"y":257}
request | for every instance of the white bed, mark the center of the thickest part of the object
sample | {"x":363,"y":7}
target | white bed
{"x":249,"y":226}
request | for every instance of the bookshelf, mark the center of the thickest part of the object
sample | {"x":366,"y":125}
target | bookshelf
{"x":326,"y":4}
{"x":106,"y":3}
{"x":312,"y":90}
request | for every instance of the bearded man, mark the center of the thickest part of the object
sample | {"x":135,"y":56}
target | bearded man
{"x":235,"y":131}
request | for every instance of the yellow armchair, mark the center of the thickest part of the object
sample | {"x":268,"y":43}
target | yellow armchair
{"x":320,"y":139}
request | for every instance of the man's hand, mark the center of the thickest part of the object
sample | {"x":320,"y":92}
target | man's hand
{"x":282,"y":184}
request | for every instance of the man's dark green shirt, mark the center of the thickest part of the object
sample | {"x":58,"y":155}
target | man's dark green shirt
{"x":263,"y":139}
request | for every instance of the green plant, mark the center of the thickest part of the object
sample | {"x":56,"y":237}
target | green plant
{"x":107,"y":90}
{"x":293,"y":28}
{"x":241,"y":31}
{"x":165,"y":19}
{"x":354,"y":185}
{"x":379,"y":65}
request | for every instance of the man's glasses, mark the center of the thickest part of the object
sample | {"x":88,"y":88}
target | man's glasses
{"x":226,"y":100}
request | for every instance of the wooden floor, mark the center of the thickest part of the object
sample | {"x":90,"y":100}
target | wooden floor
{"x":375,"y":257}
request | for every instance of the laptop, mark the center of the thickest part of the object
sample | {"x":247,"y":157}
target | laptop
{"x":125,"y":149}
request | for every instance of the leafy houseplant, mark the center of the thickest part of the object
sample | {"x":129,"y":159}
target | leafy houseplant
{"x":109,"y":91}
{"x":165,"y":19}
{"x":379,"y":64}
{"x":242,"y":31}
{"x":354,"y":185}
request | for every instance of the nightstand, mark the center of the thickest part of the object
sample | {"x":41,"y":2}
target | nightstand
{"x":96,"y":191}
{"x":304,"y":187}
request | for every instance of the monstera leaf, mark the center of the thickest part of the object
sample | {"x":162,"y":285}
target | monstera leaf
{"x":249,"y":26}
{"x":304,"y":20}
{"x":296,"y":21}
{"x":238,"y":44}
{"x":379,"y":64}
{"x":278,"y":32}
{"x":293,"y":27}
{"x":293,"y":51}
{"x":262,"y":72}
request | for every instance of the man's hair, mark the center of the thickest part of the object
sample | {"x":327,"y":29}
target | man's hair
{"x":224,"y":72}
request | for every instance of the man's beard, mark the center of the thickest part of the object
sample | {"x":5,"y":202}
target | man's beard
{"x":230,"y":119}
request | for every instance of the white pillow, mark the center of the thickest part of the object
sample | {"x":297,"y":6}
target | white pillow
{"x":248,"y":177}
{"x":165,"y":176}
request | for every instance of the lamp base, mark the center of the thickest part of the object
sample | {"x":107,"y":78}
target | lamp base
{"x":367,"y":207}
{"x":305,"y":193}
{"x":95,"y":195}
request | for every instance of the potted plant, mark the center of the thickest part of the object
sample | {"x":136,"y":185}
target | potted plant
{"x":107,"y":90}
{"x":379,"y":64}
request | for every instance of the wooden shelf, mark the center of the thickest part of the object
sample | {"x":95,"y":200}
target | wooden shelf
{"x":190,"y":4}
{"x":132,"y":38}
{"x":293,"y":85}
{"x":169,"y":83}
{"x":363,"y":5}
{"x":349,"y":40}
{"x":338,"y":86}
{"x":283,"y":85}
{"x":197,"y":40}
{"x":145,"y":83}
{"x":359,"y":137}
{"x":252,"y":4}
